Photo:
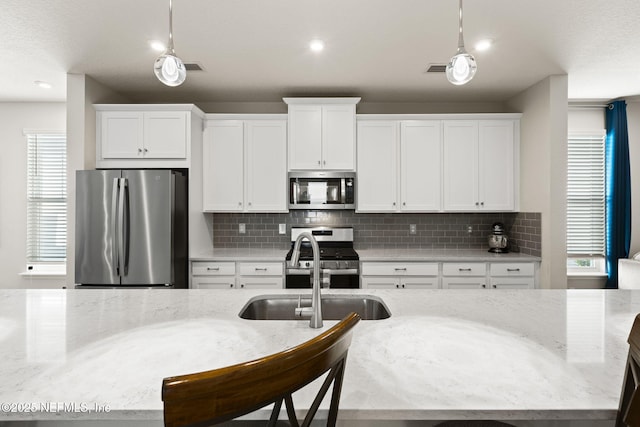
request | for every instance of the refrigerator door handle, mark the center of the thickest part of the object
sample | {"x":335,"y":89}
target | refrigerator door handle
{"x":115,"y":259}
{"x":120,"y":220}
{"x":125,"y":225}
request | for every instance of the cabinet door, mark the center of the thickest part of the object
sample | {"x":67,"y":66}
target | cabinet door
{"x":496,"y":165}
{"x":419,"y":282}
{"x":305,"y":137}
{"x":377,"y":166}
{"x":263,"y":282}
{"x":380,"y":283}
{"x":420,"y":166}
{"x":338,"y":136}
{"x":213,"y":282}
{"x":223,"y":183}
{"x":266,"y":160}
{"x":460,"y":165}
{"x":121,"y":134}
{"x":512,"y":283}
{"x":464,"y":283}
{"x":165,"y":135}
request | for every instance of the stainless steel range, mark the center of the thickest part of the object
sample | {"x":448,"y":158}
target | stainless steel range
{"x":339,"y":262}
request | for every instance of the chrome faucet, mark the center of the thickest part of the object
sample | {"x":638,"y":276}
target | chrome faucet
{"x":316,"y":300}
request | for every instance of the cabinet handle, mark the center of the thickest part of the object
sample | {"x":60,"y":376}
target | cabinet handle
{"x":239,"y":203}
{"x":481,"y":203}
{"x":464,"y":269}
{"x":477,"y":204}
{"x":484,"y":286}
{"x":394,"y":203}
{"x":398,"y":286}
{"x":404,"y":203}
{"x":494,"y":286}
{"x":139,"y":150}
{"x":231,"y":285}
{"x":513,"y":269}
{"x":403,"y":285}
{"x":249,"y":203}
{"x":145,"y":150}
{"x":213,"y":268}
{"x":319,"y":162}
{"x":261,"y":268}
{"x":324,"y":162}
{"x":400,"y":269}
{"x":242,"y":285}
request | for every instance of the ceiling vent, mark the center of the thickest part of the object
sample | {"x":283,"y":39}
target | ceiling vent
{"x":437,"y":68}
{"x":193,"y":66}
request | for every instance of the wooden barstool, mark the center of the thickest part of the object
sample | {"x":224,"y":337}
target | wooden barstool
{"x":629,"y":409}
{"x":220,"y":395}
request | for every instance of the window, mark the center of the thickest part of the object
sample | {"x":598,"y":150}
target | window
{"x":46,"y":198}
{"x":586,"y":203}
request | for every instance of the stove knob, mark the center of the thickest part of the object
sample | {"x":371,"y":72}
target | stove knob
{"x":307,"y":264}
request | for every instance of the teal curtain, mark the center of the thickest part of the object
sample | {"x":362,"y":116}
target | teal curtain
{"x":618,"y":189}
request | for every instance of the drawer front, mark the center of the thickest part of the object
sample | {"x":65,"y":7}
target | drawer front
{"x":206,"y":268}
{"x":464,"y":283}
{"x":399,"y":269}
{"x":260,"y":283}
{"x":260,"y":268}
{"x":512,"y":269}
{"x":213,"y":282}
{"x":464,"y":269}
{"x":512,"y":283}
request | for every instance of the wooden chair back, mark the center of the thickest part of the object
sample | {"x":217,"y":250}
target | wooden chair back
{"x":220,"y":395}
{"x":629,"y":410}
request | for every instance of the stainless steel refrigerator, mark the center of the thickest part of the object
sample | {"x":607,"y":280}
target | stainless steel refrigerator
{"x":131,"y":228}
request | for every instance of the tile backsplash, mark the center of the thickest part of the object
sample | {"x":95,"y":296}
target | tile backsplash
{"x":433,"y":230}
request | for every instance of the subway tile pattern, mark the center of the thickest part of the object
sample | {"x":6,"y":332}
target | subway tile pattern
{"x":439,"y":230}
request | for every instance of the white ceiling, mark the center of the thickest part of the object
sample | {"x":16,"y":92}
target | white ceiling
{"x":256,"y":50}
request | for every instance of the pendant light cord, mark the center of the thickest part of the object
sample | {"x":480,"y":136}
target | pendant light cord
{"x":460,"y":35}
{"x":170,"y":47}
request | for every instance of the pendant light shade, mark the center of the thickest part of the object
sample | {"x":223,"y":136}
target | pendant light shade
{"x":168,"y":68}
{"x":462,"y":66}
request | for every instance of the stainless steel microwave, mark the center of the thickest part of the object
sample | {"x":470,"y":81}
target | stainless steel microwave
{"x":322,"y":190}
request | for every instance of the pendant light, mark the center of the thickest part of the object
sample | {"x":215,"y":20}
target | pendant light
{"x":462,"y":67}
{"x":168,"y":67}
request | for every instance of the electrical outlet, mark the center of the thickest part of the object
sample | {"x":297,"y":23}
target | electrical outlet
{"x":282,"y":228}
{"x":469,"y":229}
{"x":412,"y":229}
{"x":242,"y":228}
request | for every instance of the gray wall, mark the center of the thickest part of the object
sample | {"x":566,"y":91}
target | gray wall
{"x":447,"y":231}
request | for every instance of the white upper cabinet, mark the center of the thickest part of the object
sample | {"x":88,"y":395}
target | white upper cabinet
{"x":145,"y":135}
{"x":377,"y":180}
{"x":399,"y":166}
{"x":244,"y":166}
{"x":480,"y":165}
{"x":322,"y":133}
{"x":223,"y":166}
{"x":420,"y":165}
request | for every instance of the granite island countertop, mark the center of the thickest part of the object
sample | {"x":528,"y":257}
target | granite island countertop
{"x":443,"y":354}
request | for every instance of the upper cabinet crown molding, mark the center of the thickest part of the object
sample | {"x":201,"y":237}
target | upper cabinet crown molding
{"x":441,"y":116}
{"x":321,"y":100}
{"x":192,"y":108}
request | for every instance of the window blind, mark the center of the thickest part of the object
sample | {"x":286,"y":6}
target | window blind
{"x":46,"y":198}
{"x":585,"y":195}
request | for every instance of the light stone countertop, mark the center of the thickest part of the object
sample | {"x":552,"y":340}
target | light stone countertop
{"x":443,"y":354}
{"x":442,"y":255}
{"x":241,"y":254}
{"x":425,"y":255}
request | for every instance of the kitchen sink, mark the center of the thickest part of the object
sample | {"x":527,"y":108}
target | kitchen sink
{"x":334,"y":307}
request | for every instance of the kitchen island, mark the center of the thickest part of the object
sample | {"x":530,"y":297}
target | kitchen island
{"x":550,"y":356}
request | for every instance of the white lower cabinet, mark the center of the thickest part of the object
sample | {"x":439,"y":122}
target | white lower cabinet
{"x":448,"y":275}
{"x":409,"y":275}
{"x":236,"y":275}
{"x":267,"y":275}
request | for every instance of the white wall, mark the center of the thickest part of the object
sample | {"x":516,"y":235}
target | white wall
{"x":82,"y":93}
{"x":14,"y":118}
{"x":543,"y":170}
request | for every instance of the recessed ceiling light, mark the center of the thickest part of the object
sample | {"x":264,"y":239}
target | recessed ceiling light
{"x":484,"y":45}
{"x":42,"y":84}
{"x":157,"y":46}
{"x":316,"y":45}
